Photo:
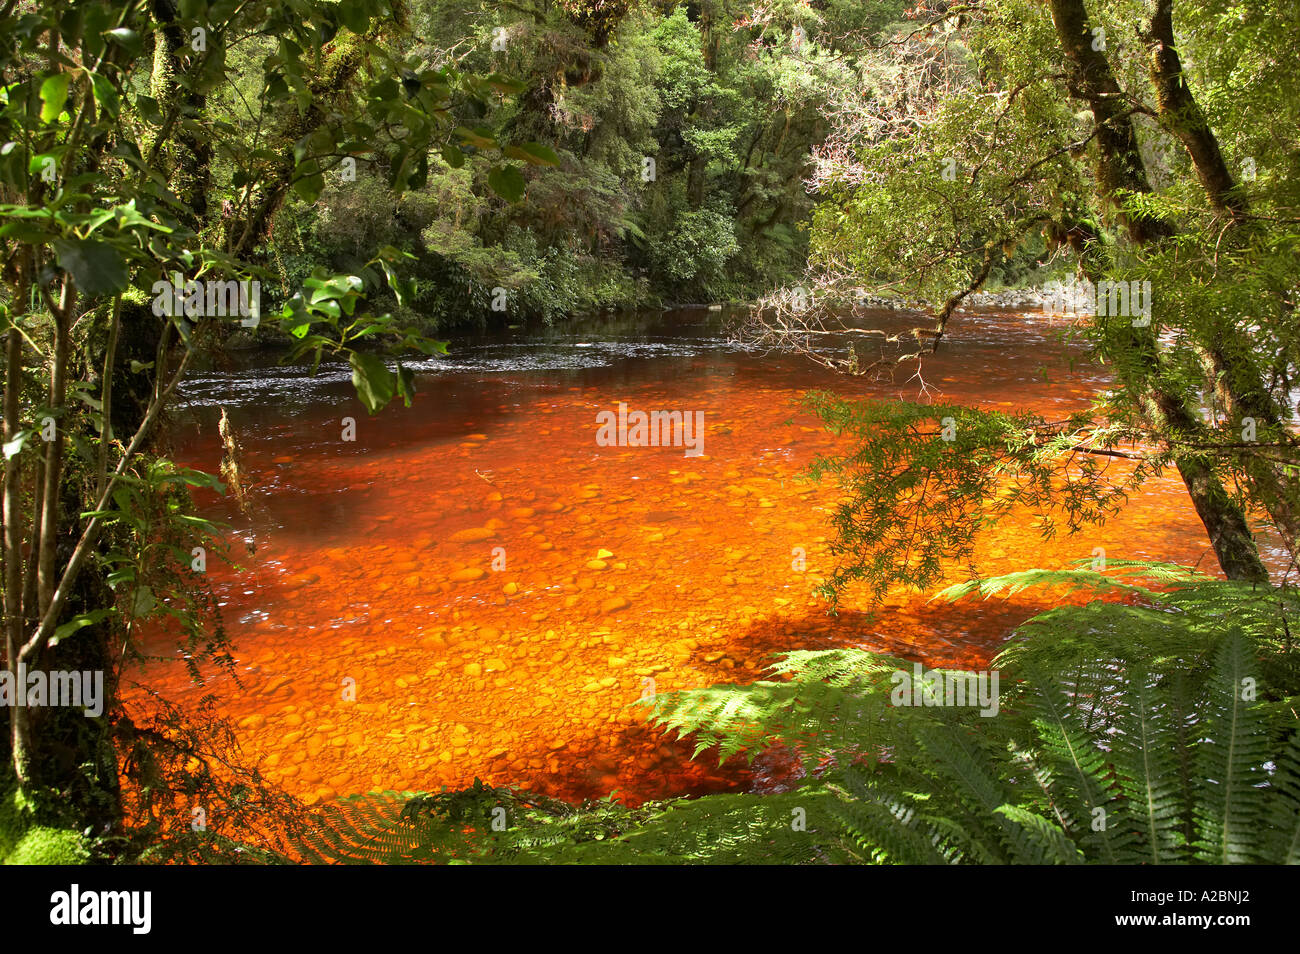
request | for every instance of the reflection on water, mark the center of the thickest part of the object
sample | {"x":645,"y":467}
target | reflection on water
{"x":497,"y":587}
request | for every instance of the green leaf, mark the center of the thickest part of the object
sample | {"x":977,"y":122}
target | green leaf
{"x":393,"y":281}
{"x":329,"y":309}
{"x":194,"y":521}
{"x":39,"y":162}
{"x":127,"y":39}
{"x":405,"y":384}
{"x":124,"y":574}
{"x":533,"y":153}
{"x":24,"y":232}
{"x":375,"y":384}
{"x":97,"y":268}
{"x":128,"y":216}
{"x":481,"y":138}
{"x":311,"y":182}
{"x":353,"y":15}
{"x":391,"y":254}
{"x":453,"y":156}
{"x":54,"y":93}
{"x":105,"y":95}
{"x":149,"y":110}
{"x":143,"y":602}
{"x":76,"y":623}
{"x":507,"y":182}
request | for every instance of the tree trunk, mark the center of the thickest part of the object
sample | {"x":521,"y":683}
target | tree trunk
{"x":14,"y":529}
{"x":1119,"y":162}
{"x":191,"y":178}
{"x":48,"y":536}
{"x":1229,"y":366}
{"x":1183,"y":116}
{"x":1120,"y":168}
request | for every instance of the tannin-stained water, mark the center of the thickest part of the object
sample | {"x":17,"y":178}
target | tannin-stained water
{"x":380,"y":644}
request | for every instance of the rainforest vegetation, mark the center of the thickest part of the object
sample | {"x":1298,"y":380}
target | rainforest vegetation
{"x":359,"y":186}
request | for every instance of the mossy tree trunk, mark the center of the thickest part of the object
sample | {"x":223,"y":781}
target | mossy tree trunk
{"x":1120,"y":169}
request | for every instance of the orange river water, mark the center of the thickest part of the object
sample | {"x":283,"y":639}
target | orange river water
{"x":429,"y":603}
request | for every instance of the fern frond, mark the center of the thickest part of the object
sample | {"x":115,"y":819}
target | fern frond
{"x":839,"y":667}
{"x":1082,"y":766}
{"x":836,"y":704}
{"x":1230,"y":810}
{"x":1040,"y":841}
{"x":360,"y":829}
{"x":1284,"y":807}
{"x":1127,"y":732}
{"x":1144,"y":748}
{"x":1013,"y":583}
{"x":884,"y":827}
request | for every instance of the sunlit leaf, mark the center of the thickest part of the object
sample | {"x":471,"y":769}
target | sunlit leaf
{"x":54,"y":93}
{"x":15,"y":446}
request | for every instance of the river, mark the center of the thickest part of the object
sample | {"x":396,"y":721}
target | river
{"x":475,"y":587}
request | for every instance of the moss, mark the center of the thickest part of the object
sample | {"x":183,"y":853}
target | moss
{"x":15,"y":819}
{"x":49,"y":846}
{"x":24,"y":842}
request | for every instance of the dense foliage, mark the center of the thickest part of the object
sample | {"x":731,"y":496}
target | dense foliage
{"x":683,"y":133}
